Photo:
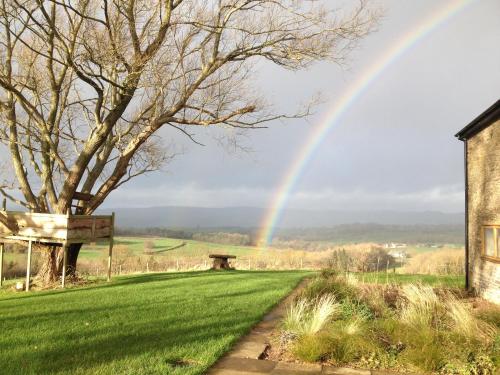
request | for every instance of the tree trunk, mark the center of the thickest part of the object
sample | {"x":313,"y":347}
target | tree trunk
{"x":52,"y":262}
{"x":73,"y":252}
{"x":49,"y":270}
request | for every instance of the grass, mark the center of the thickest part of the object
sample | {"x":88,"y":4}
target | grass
{"x":175,"y":323}
{"x":452,"y":281}
{"x":161,"y":246}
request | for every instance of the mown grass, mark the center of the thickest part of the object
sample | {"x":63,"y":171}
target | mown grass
{"x":161,"y":245}
{"x":175,"y":323}
{"x":452,"y":281}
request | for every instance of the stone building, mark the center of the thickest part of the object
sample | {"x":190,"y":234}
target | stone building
{"x":482,"y":203}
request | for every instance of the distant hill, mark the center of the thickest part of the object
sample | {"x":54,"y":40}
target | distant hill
{"x":251,"y":217}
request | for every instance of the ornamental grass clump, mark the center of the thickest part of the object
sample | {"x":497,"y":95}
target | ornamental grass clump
{"x":422,"y":307}
{"x":462,"y":321}
{"x":307,"y":317}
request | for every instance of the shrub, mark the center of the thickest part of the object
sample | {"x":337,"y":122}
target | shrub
{"x":312,"y":348}
{"x":381,"y":300}
{"x":348,"y":343}
{"x":148,"y":247}
{"x":424,"y":349}
{"x":475,"y":365}
{"x":355,"y":309}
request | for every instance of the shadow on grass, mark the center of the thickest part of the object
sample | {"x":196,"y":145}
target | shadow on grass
{"x":119,"y":281}
{"x":156,"y":328}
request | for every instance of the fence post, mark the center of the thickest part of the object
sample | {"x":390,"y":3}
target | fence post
{"x":2,"y":249}
{"x":28,"y":265}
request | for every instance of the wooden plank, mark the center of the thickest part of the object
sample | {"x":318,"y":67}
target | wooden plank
{"x":7,"y":225}
{"x":82,"y":196}
{"x":111,"y":242}
{"x":65,"y":264}
{"x":28,"y":266}
{"x":222,"y":256}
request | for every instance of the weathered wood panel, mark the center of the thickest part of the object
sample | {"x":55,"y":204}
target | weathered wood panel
{"x":39,"y":225}
{"x":89,"y":228}
{"x":7,"y":224}
{"x":58,"y":227}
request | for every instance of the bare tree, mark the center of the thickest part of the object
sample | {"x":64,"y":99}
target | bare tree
{"x":86,"y":85}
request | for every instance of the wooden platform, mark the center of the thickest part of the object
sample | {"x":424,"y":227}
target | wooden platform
{"x":59,"y":230}
{"x":53,"y":228}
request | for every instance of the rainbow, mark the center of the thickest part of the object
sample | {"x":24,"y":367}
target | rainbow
{"x":354,"y":91}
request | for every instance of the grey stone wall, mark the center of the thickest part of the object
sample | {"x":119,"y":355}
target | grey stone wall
{"x":484,"y":207}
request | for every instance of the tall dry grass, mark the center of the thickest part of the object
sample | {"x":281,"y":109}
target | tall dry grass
{"x":439,"y":262}
{"x":424,"y":308}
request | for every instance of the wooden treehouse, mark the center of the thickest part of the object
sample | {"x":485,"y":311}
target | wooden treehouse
{"x":53,"y":229}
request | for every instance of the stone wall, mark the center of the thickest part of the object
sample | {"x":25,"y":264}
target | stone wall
{"x":484,"y":207}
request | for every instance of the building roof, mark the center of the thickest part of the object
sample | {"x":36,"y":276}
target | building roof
{"x":484,"y":120}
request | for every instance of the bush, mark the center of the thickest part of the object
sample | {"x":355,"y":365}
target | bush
{"x":348,"y":343}
{"x":424,"y":350}
{"x":312,"y":348}
{"x":355,"y":309}
{"x":148,"y":247}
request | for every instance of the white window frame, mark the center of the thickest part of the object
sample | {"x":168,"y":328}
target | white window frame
{"x":496,"y":235}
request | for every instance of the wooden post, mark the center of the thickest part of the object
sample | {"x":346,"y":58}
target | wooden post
{"x":28,"y":265}
{"x":65,"y":264}
{"x":1,"y":263}
{"x":2,"y":249}
{"x":111,"y":240}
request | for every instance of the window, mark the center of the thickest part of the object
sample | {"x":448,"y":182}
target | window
{"x":491,"y":242}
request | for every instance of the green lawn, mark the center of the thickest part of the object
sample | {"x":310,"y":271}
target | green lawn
{"x":142,"y":324}
{"x":162,"y":246}
{"x":454,"y":281}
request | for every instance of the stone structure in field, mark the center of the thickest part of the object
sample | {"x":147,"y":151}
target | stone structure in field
{"x":482,"y":193}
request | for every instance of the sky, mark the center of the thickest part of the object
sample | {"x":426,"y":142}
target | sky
{"x":394,"y":149}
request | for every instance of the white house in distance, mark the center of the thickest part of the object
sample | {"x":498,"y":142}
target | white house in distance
{"x":482,"y":203}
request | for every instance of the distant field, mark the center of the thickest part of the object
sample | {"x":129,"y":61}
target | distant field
{"x":175,"y":323}
{"x":160,"y":254}
{"x":161,"y":246}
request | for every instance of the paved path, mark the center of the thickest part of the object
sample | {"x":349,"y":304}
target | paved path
{"x":243,"y":359}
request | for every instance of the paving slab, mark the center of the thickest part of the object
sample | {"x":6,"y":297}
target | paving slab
{"x":243,"y":364}
{"x":235,"y":372}
{"x":283,"y":368}
{"x":248,"y":349}
{"x":344,"y":371}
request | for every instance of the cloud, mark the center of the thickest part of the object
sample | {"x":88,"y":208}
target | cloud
{"x":440,"y":198}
